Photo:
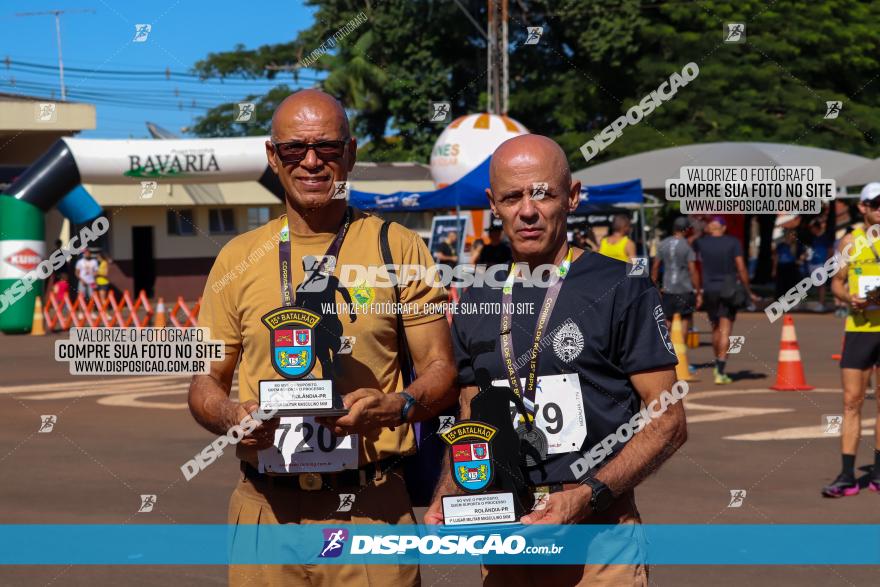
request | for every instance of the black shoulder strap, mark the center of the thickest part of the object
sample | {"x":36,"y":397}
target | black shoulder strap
{"x":406,"y":366}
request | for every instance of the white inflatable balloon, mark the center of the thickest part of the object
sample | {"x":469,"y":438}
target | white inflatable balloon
{"x":466,"y":143}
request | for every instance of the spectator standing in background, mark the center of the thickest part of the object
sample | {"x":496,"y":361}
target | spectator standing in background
{"x":589,"y":237}
{"x":820,"y":248}
{"x":101,"y":280}
{"x":788,"y":260}
{"x":497,"y":252}
{"x":61,"y":288}
{"x":618,"y":245}
{"x":447,"y":250}
{"x":86,"y":271}
{"x":680,"y":277}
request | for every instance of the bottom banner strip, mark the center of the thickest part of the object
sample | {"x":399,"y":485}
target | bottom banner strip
{"x":33,"y":544}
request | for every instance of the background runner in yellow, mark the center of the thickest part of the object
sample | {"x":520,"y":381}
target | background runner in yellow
{"x":618,"y":245}
{"x":861,"y":343}
{"x":863,"y":274}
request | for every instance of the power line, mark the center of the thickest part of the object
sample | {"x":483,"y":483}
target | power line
{"x":188,"y":104}
{"x":176,"y":89}
{"x":188,"y":93}
{"x":141,"y":90}
{"x":166,"y":74}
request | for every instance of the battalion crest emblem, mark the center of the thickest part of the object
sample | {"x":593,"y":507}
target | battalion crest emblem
{"x":290,"y":335}
{"x":471,"y":457}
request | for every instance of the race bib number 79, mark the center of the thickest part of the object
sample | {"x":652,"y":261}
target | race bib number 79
{"x":304,"y":446}
{"x":559,"y":411}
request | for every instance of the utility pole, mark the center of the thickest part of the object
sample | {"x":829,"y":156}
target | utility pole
{"x":57,"y":14}
{"x":497,"y":57}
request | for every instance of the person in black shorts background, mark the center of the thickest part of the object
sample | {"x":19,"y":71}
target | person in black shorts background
{"x":680,"y":277}
{"x":721,"y":259}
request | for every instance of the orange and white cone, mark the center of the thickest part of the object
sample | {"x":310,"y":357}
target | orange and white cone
{"x":161,"y":319}
{"x":37,"y":326}
{"x":682,"y":372}
{"x":790,"y":371}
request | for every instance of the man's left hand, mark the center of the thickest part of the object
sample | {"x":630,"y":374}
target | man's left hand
{"x":369,"y":409}
{"x":563,"y":507}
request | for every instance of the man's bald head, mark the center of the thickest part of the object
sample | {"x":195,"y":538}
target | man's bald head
{"x":531,"y":150}
{"x":309,"y":105}
{"x":532,"y":192}
{"x":312,"y":117}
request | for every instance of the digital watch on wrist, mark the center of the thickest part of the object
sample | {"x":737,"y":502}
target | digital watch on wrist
{"x":601,"y":497}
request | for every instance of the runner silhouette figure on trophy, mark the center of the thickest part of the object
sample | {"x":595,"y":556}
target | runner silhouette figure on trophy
{"x":316,"y":293}
{"x":492,"y":406}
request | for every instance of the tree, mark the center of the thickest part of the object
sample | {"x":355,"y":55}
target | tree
{"x":771,"y":88}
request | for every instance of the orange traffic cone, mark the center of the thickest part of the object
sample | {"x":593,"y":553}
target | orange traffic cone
{"x":693,"y":338}
{"x":790,"y":372}
{"x":682,"y":372}
{"x":37,"y":327}
{"x":161,"y":319}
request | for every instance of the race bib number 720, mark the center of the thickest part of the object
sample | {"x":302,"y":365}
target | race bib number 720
{"x":304,"y":446}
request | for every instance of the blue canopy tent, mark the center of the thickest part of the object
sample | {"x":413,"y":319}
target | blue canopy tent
{"x":612,"y":194}
{"x":468,"y":193}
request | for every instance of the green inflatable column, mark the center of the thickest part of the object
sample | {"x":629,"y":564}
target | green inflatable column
{"x":22,"y":247}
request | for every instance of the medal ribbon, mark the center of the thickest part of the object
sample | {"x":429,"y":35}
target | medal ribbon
{"x":284,"y":257}
{"x":543,"y":319}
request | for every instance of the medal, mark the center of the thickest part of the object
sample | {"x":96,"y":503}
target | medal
{"x":536,"y":444}
{"x":536,"y":450}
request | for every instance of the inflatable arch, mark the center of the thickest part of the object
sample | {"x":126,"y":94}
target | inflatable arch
{"x":55,"y":180}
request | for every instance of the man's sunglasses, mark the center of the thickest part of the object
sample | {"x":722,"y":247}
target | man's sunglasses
{"x":293,"y":152}
{"x":873,"y":204}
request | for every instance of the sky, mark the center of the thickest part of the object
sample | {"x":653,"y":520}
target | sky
{"x":101,"y":44}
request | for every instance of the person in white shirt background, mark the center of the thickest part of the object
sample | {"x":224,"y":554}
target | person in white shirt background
{"x":86,"y":269}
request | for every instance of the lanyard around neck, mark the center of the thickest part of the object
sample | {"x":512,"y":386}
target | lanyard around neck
{"x":284,"y":263}
{"x":543,"y":319}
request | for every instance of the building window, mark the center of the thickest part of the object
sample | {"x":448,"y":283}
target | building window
{"x":221,"y":221}
{"x":257,"y":217}
{"x":180,"y":222}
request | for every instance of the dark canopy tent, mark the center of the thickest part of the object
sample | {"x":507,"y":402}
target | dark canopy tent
{"x":468,"y":193}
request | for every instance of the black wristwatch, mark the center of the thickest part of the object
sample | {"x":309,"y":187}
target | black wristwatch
{"x":601,"y":497}
{"x":409,"y":402}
